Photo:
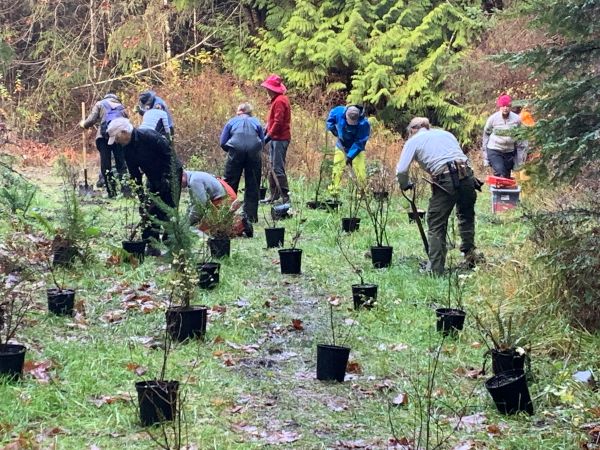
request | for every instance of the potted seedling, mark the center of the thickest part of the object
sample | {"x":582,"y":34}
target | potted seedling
{"x":71,"y":238}
{"x":451,"y":320}
{"x":290,"y":259}
{"x":14,"y":304}
{"x":219,"y":222}
{"x":133,"y":245}
{"x":364,"y":295}
{"x":332,"y":358}
{"x":508,"y":387}
{"x":324,"y":173}
{"x":184,"y":320}
{"x":274,"y":235}
{"x":378,"y":209}
{"x":380,"y":181}
{"x":158,"y":398}
{"x":209,"y":272}
{"x":61,"y":299}
{"x":351,"y":223}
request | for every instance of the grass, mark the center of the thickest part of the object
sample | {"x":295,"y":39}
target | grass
{"x":273,"y":388}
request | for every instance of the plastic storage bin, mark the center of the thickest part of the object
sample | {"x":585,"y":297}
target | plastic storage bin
{"x":504,"y":199}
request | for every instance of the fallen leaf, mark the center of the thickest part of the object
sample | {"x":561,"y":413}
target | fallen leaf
{"x":242,"y":302}
{"x":400,"y":399}
{"x":493,"y":430}
{"x":468,"y":372}
{"x":48,"y":433}
{"x":137,"y":369}
{"x":267,"y":304}
{"x":114,"y":316}
{"x":280,"y":437}
{"x":297,"y":324}
{"x":110,"y":399}
{"x":236,"y":409}
{"x":361,"y":443}
{"x":38,"y":370}
{"x":228,"y":362}
{"x":218,"y":340}
{"x":466,"y":445}
{"x":113,"y":260}
{"x":244,"y":427}
{"x":336,"y":404}
{"x":398,"y":347}
{"x":474,"y":422}
{"x":354,"y":367}
{"x":334,"y":300}
{"x":475,"y":344}
{"x":218,"y":309}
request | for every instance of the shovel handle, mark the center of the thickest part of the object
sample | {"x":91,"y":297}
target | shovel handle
{"x":83,"y":138}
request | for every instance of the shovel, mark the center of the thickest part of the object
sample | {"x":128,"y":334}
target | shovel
{"x":415,"y":212}
{"x":86,"y":189}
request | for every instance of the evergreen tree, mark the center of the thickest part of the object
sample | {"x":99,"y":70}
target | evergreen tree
{"x":568,"y":107}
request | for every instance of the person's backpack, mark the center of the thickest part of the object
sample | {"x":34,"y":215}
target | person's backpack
{"x":110,"y":113}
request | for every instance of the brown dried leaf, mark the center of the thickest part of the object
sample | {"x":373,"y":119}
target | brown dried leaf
{"x":218,"y":340}
{"x":114,"y":316}
{"x":334,"y":300}
{"x":280,"y":437}
{"x":474,"y":422}
{"x":400,"y":399}
{"x":468,"y":372}
{"x":110,"y":399}
{"x":244,"y":427}
{"x":354,"y":367}
{"x":38,"y":370}
{"x":475,"y":344}
{"x":48,"y":433}
{"x":465,"y":445}
{"x":137,"y":369}
{"x":219,"y":309}
{"x":297,"y":324}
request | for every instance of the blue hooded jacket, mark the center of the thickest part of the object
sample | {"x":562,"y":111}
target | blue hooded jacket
{"x":148,"y":99}
{"x":351,"y":138}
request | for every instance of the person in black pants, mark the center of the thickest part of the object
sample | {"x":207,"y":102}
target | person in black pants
{"x":243,"y":139}
{"x":103,"y":112}
{"x":148,"y":153}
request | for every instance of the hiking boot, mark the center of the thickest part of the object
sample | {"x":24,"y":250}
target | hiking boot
{"x":268,"y":200}
{"x":248,"y":228}
{"x":152,"y":251}
{"x":472,"y":260}
{"x":282,"y":201}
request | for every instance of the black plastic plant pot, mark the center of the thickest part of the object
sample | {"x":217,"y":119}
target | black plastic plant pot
{"x":290,"y":260}
{"x":412,"y":216}
{"x":350,"y":224}
{"x":503,"y":361}
{"x":262,"y":193}
{"x":314,"y":204}
{"x":64,"y":256}
{"x":510,"y":392}
{"x":380,"y":195}
{"x":364,"y":295}
{"x":275,"y":237}
{"x":135,"y":248}
{"x":61,"y":301}
{"x":331,"y":205}
{"x":186,"y":323}
{"x":331,"y":362}
{"x":157,"y":401}
{"x":12,"y":358}
{"x":208,"y":275}
{"x":219,"y":247}
{"x":381,"y":257}
{"x":450,"y":320}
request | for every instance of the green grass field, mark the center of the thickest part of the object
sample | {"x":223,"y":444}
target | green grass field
{"x":251,"y":382}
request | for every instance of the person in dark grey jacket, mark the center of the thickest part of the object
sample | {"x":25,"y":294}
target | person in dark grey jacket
{"x":102,"y":113}
{"x":148,"y":153}
{"x":243,"y":139}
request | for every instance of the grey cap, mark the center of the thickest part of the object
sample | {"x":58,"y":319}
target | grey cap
{"x":352,"y":115}
{"x":116,"y":126}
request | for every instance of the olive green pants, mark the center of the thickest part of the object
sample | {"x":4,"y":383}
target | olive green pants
{"x":440,"y":207}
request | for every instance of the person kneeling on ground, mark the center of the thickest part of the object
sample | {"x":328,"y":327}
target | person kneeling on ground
{"x":148,"y":153}
{"x":453,"y":184}
{"x":206,"y":190}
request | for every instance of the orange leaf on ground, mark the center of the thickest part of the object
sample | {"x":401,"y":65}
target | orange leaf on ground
{"x":297,"y":324}
{"x":354,"y":367}
{"x":137,"y":369}
{"x":110,"y":399}
{"x":38,"y":370}
{"x":400,"y":399}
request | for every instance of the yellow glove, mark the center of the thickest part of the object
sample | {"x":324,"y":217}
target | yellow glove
{"x":81,"y":123}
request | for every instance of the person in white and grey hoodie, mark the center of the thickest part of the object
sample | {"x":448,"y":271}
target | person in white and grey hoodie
{"x":499,"y":148}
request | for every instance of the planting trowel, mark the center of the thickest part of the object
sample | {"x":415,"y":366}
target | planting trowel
{"x":86,"y":189}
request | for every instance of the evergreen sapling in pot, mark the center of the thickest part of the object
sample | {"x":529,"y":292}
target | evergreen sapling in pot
{"x":332,"y":358}
{"x":14,"y":304}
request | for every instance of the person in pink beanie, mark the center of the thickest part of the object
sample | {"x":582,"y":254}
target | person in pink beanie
{"x":499,"y":147}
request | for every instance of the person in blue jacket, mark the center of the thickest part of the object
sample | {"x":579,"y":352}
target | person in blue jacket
{"x":149,"y":100}
{"x":352,"y":129}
